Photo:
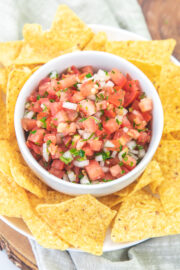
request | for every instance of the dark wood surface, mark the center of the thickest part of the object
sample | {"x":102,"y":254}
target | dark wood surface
{"x":163,"y":20}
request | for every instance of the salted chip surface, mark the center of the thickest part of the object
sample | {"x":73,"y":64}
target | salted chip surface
{"x":42,"y":232}
{"x":168,"y":156}
{"x":110,"y":200}
{"x":3,"y":127}
{"x":5,"y":155}
{"x":13,"y":199}
{"x":154,"y":51}
{"x":24,"y":176}
{"x":3,"y":79}
{"x":16,"y":80}
{"x":141,"y":216}
{"x":72,"y":29}
{"x":81,"y":221}
{"x":9,"y":51}
{"x":97,"y":43}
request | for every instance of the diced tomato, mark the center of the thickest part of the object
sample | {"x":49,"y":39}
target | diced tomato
{"x":129,"y":97}
{"x":41,"y":115}
{"x":52,"y":148}
{"x":87,"y":88}
{"x":90,"y":125}
{"x":76,"y":171}
{"x":94,"y":170}
{"x":129,"y":162}
{"x":66,"y":96}
{"x":87,"y":107}
{"x":87,"y":69}
{"x":50,"y":137}
{"x":60,"y":117}
{"x":128,"y":77}
{"x":35,"y":107}
{"x":144,"y":137}
{"x":68,"y":81}
{"x":147,"y":116}
{"x":73,"y":70}
{"x":133,"y":133}
{"x":132,"y":85}
{"x":145,"y":104}
{"x":77,"y":97}
{"x":102,"y":105}
{"x":135,"y":105}
{"x":71,"y":129}
{"x":108,"y":176}
{"x":44,"y":87}
{"x":135,"y":117}
{"x":117,"y":77}
{"x":34,"y":147}
{"x":110,"y":125}
{"x":80,"y":144}
{"x":28,"y":124}
{"x":56,"y":172}
{"x":88,"y":151}
{"x":67,"y":140}
{"x":72,"y":115}
{"x":95,"y":145}
{"x":37,"y":137}
{"x":58,"y":152}
{"x":55,"y":107}
{"x":126,"y":122}
{"x":33,"y":96}
{"x":115,"y":170}
{"x":117,"y":98}
{"x":124,"y":139}
{"x":110,"y":111}
{"x":57,"y":164}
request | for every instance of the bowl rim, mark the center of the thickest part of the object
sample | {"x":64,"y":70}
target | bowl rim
{"x":83,"y":187}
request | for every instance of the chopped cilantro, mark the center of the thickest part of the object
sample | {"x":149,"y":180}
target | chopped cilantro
{"x":123,"y":171}
{"x":88,"y":75}
{"x":92,"y":134}
{"x":83,"y":119}
{"x":106,"y":72}
{"x":38,"y":97}
{"x":120,"y":148}
{"x":118,"y":122}
{"x":33,"y":131}
{"x":52,"y":100}
{"x":100,"y":126}
{"x":123,"y":155}
{"x":106,"y":180}
{"x":139,"y":146}
{"x":54,"y":75}
{"x":112,"y":71}
{"x":121,"y":163}
{"x":143,"y":95}
{"x":131,"y":164}
{"x":43,"y":120}
{"x":106,"y":155}
{"x":48,"y":142}
{"x":107,"y":118}
{"x":74,"y":152}
{"x":80,"y":176}
{"x":81,"y":153}
{"x":65,"y":160}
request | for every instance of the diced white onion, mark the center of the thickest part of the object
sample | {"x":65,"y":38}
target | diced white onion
{"x":120,"y":154}
{"x":109,"y":144}
{"x":81,"y":164}
{"x":93,"y":91}
{"x":119,"y":118}
{"x":131,"y":145}
{"x":102,"y":163}
{"x":71,"y":176}
{"x":70,"y":105}
{"x":65,"y":177}
{"x":135,"y":152}
{"x":84,"y":180}
{"x":105,"y":169}
{"x":125,"y":111}
{"x":97,"y":120}
{"x":86,"y":135}
{"x":99,"y":158}
{"x":98,"y":114}
{"x":88,"y":79}
{"x":67,"y":154}
{"x":141,"y":153}
{"x":27,"y":105}
{"x":109,"y":84}
{"x":125,"y":129}
{"x":79,"y":86}
{"x":92,"y":97}
{"x":101,"y":76}
{"x":29,"y":115}
{"x":80,"y":131}
{"x":114,"y":154}
{"x":134,"y":156}
{"x":45,"y":152}
{"x":43,"y":106}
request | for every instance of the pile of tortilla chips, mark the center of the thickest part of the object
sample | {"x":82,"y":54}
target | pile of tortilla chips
{"x":149,"y":207}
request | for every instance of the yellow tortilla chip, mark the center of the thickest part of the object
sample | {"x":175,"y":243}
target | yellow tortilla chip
{"x":16,"y":80}
{"x":3,"y":79}
{"x":42,"y":232}
{"x":24,"y":177}
{"x":81,"y":221}
{"x":152,"y":71}
{"x":13,"y":199}
{"x":125,"y":192}
{"x":154,"y":51}
{"x":168,"y":156}
{"x":5,"y":157}
{"x":141,"y":216}
{"x":97,"y":43}
{"x":72,"y":29}
{"x":3,"y":128}
{"x":9,"y":51}
{"x":110,"y":200}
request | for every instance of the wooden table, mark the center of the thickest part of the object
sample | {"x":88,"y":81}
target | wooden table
{"x":163,"y":19}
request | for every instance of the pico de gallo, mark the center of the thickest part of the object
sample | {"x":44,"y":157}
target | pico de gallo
{"x":86,"y":126}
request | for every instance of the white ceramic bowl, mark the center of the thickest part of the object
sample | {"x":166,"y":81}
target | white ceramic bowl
{"x":99,"y":60}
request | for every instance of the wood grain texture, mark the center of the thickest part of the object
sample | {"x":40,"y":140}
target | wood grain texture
{"x":163,"y":20}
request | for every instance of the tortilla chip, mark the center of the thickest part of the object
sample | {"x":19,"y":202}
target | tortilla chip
{"x":125,"y":192}
{"x":9,"y":51}
{"x":81,"y":221}
{"x":168,"y":156}
{"x":154,"y":51}
{"x":3,"y":79}
{"x":3,"y":127}
{"x":97,"y":43}
{"x":141,"y":216}
{"x":110,"y":200}
{"x":13,"y":199}
{"x":16,"y":80}
{"x":152,"y":71}
{"x":24,"y":177}
{"x":42,"y":232}
{"x":72,"y":29}
{"x":5,"y":157}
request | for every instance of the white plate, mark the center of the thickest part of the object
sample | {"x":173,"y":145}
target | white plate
{"x":17,"y":223}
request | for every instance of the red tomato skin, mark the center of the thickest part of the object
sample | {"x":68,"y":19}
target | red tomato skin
{"x":94,"y":170}
{"x":117,"y":98}
{"x":88,"y":151}
{"x":56,"y":172}
{"x":117,"y":77}
{"x":95,"y":145}
{"x":55,"y":107}
{"x":57,"y":164}
{"x":90,"y":125}
{"x":50,"y":137}
{"x":115,"y":170}
{"x":37,"y":137}
{"x":28,"y":124}
{"x":110,"y":126}
{"x":147,"y":116}
{"x":86,"y":87}
{"x":87,"y":69}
